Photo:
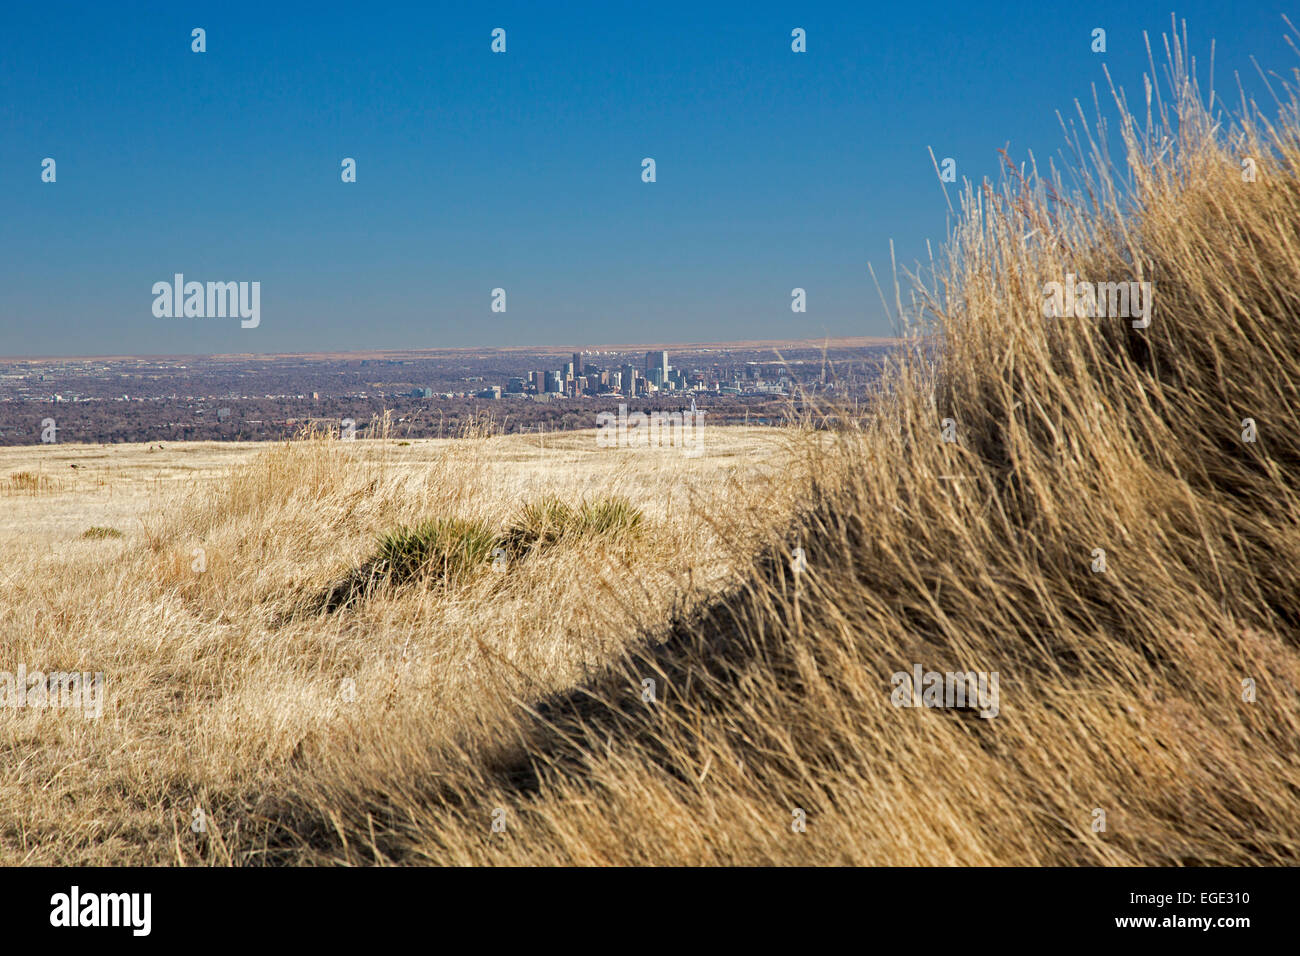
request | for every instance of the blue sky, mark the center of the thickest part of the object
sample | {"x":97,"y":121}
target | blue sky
{"x":521,"y":170}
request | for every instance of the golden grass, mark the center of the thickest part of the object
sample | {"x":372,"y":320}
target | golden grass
{"x":401,"y":728}
{"x":217,"y":692}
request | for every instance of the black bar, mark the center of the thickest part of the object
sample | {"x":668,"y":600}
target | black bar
{"x":561,"y":907}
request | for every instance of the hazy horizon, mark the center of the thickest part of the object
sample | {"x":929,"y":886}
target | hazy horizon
{"x":837,"y":342}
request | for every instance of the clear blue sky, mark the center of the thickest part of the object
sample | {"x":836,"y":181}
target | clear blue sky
{"x":521,"y":170}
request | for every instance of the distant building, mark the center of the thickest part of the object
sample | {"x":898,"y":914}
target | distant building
{"x":492,"y":392}
{"x":656,"y":367}
{"x":554,"y":382}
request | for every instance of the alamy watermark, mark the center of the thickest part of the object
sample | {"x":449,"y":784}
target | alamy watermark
{"x":57,"y":690}
{"x":214,"y":300}
{"x":950,"y":689}
{"x":130,"y":910}
{"x":1101,"y":300}
{"x":682,"y":430}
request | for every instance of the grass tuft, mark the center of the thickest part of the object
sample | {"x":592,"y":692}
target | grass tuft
{"x":446,"y":549}
{"x":545,"y":523}
{"x":28,"y":483}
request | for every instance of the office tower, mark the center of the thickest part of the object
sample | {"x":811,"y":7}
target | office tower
{"x":656,"y":367}
{"x":577,"y":364}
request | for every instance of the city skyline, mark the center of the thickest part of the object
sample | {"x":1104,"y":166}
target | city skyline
{"x":422,"y":394}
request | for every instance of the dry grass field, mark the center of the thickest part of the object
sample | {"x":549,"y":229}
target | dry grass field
{"x":354,"y":677}
{"x":214,"y":688}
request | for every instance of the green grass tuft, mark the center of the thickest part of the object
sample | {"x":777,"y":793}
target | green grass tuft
{"x":545,"y":523}
{"x":450,"y":548}
{"x":609,"y":518}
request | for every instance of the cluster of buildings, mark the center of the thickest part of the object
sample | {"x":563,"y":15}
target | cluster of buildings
{"x":580,"y":378}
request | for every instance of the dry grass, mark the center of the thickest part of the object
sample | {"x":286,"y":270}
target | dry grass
{"x":219,"y":690}
{"x":400,"y":728}
{"x":27,"y":483}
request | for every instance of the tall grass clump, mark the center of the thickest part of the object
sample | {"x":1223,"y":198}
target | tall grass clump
{"x":27,"y":483}
{"x":447,"y":548}
{"x":548,"y":521}
{"x":453,"y":550}
{"x":437,"y":551}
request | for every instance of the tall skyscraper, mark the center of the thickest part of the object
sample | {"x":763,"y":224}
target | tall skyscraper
{"x":656,"y":367}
